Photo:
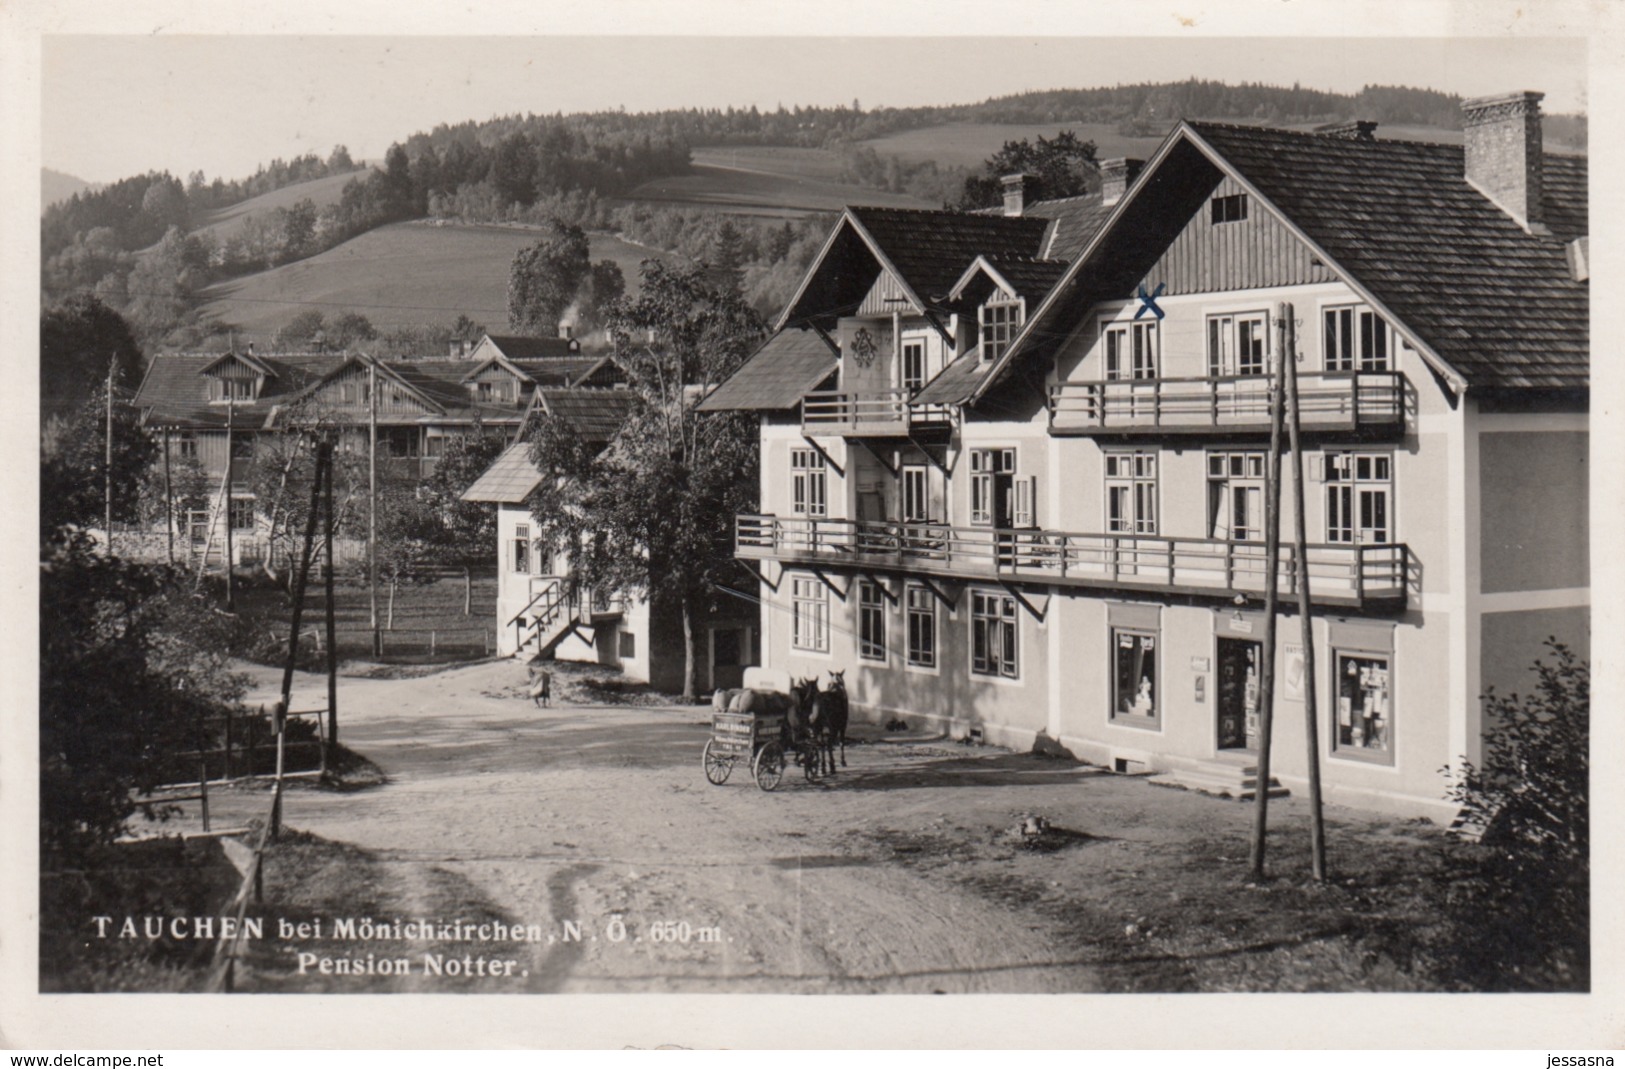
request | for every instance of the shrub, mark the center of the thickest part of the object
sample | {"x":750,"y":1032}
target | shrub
{"x":1520,"y":908}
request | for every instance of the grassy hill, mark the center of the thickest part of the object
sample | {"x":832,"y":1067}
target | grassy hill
{"x":765,"y":182}
{"x":224,"y":222}
{"x":407,"y":274}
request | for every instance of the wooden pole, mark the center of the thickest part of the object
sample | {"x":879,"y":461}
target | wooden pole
{"x":1272,"y":557}
{"x":169,"y":501}
{"x":372,"y":506}
{"x":231,"y":462}
{"x":1300,"y":556}
{"x":323,"y":458}
{"x":332,"y":625}
{"x":112,"y":363}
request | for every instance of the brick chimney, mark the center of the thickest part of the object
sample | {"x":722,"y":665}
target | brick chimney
{"x":1504,"y":152}
{"x":1017,"y":188}
{"x":1115,"y":178}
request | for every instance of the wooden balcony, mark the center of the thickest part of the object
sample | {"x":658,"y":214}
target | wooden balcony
{"x":1348,"y":402}
{"x":1349,"y":576}
{"x":880,"y":414}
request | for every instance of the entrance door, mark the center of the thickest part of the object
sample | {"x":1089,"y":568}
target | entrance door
{"x":1237,"y":704}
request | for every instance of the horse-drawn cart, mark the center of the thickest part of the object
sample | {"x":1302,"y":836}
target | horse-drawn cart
{"x":753,"y":726}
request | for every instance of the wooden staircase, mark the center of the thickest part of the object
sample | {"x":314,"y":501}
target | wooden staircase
{"x":1226,"y":776}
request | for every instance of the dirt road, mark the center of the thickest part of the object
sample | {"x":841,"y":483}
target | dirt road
{"x":898,"y":876}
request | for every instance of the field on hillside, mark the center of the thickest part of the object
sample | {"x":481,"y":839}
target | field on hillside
{"x":405,"y":274}
{"x":969,"y":144}
{"x":225,"y":222}
{"x":750,"y":187}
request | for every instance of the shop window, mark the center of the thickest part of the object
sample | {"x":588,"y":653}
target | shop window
{"x":1134,"y":677}
{"x":810,"y":622}
{"x":995,"y":635}
{"x":921,"y":606}
{"x":871,"y":621}
{"x":1363,"y":724}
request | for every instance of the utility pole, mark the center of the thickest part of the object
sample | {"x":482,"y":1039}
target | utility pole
{"x":1300,"y":557}
{"x":1272,"y":560}
{"x":332,"y":630}
{"x":372,"y":502}
{"x":108,"y":463}
{"x":231,"y":463}
{"x":169,"y":501}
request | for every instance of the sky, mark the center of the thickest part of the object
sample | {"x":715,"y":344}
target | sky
{"x":114,"y":105}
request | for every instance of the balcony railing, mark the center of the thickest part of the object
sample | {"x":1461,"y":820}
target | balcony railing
{"x":879,"y":414}
{"x":1329,"y":401}
{"x":1365,"y":576}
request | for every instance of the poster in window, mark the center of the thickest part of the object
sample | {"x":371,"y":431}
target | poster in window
{"x":1294,"y":674}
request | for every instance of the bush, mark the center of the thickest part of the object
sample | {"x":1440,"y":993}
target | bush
{"x":1520,"y":908}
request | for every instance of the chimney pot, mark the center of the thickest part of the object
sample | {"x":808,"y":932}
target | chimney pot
{"x":1116,"y":176}
{"x":566,"y":331}
{"x":1017,"y":188}
{"x":1503,"y":152}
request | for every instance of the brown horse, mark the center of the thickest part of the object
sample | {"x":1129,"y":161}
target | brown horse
{"x":809,"y":731}
{"x":835,"y":710}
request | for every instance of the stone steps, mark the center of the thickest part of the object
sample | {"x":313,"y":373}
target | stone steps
{"x":1223,"y":779}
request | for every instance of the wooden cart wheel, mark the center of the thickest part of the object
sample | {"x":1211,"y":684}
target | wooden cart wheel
{"x":718,"y":766}
{"x":769,"y":766}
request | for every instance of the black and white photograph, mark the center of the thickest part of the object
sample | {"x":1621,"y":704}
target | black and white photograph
{"x":609,"y":506}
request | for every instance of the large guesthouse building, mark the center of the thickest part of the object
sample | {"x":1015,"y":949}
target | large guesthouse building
{"x":1014,"y":464}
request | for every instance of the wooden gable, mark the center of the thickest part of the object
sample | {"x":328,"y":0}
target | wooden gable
{"x":886,"y":296}
{"x":1257,"y":251}
{"x":347,"y":390}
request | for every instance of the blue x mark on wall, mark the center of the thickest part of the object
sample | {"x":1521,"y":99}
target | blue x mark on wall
{"x":1148,"y":301}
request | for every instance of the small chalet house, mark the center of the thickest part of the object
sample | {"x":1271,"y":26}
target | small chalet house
{"x":194,"y":403}
{"x":1013,"y":464}
{"x":541,"y":609}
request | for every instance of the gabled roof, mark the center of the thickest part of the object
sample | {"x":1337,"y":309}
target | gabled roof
{"x":925,"y":251}
{"x":509,"y":480}
{"x":1019,"y":276}
{"x":247,"y":359}
{"x":568,"y":371}
{"x":595,"y":415}
{"x":787,"y":366}
{"x":1487,"y":302}
{"x":1073,"y":222}
{"x":524,"y":347}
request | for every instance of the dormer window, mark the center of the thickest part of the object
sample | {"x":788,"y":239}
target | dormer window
{"x":1000,"y":319}
{"x":235,"y":389}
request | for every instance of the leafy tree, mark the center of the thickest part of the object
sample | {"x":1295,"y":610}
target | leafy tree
{"x":1520,"y":903}
{"x":546,"y":277}
{"x":468,"y":529}
{"x":73,"y":465}
{"x":597,"y":295}
{"x":653,"y":513}
{"x":1063,"y":165}
{"x":349,"y":329}
{"x":303,"y":332}
{"x":513,"y":170}
{"x":78,"y":340}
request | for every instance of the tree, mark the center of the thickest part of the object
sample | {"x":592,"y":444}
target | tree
{"x":348,"y":329}
{"x":545,"y":278}
{"x":603,"y":286}
{"x":652,"y":514}
{"x":1520,"y":904}
{"x":727,"y":259}
{"x":78,"y":338}
{"x":73,"y":465}
{"x":305,"y":331}
{"x":513,"y":170}
{"x":1062,"y":165}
